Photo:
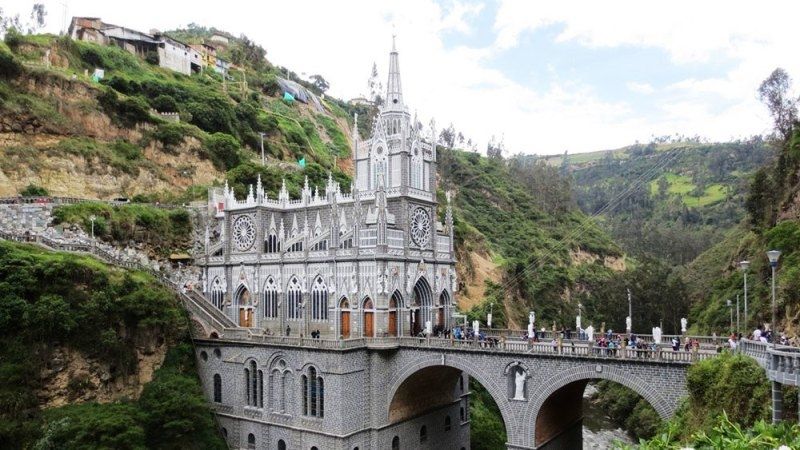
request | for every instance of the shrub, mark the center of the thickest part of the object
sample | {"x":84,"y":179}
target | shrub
{"x":13,"y":38}
{"x":223,"y":150}
{"x":170,"y":134}
{"x":33,"y":190}
{"x":126,"y":150}
{"x":164,"y":103}
{"x":9,"y":66}
{"x":126,"y":111}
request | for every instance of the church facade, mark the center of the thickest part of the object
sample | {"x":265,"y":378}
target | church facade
{"x":375,"y":262}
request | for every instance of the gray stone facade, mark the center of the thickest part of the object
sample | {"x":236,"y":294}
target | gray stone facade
{"x":365,"y":388}
{"x":371,"y":262}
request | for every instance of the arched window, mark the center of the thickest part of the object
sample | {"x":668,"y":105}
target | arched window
{"x":396,"y":443}
{"x":447,"y":423}
{"x":271,"y":243}
{"x":294,"y":300}
{"x":270,"y":299}
{"x":260,"y":389}
{"x":224,"y":433}
{"x":247,"y":385}
{"x":463,"y":416}
{"x":217,"y":294}
{"x":314,"y":448}
{"x":254,"y":385}
{"x":251,"y":441}
{"x":423,"y":434}
{"x":319,"y":300}
{"x":281,"y":445}
{"x":313,"y":394}
{"x":217,"y":388}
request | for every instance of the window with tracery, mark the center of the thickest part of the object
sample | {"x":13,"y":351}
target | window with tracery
{"x":270,"y":295}
{"x":319,"y":300}
{"x":313,"y":394}
{"x":294,"y":300}
{"x":217,"y":294}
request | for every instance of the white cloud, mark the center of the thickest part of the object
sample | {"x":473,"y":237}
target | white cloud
{"x":340,"y":41}
{"x":641,"y":88}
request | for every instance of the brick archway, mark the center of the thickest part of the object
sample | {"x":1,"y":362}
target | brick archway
{"x":496,"y":388}
{"x":587,"y":372}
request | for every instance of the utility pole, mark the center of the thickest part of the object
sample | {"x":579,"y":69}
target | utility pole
{"x":630,"y":313}
{"x":737,"y":314}
{"x":263,"y":163}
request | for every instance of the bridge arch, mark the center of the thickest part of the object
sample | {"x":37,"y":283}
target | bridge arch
{"x":454,"y":362}
{"x":567,"y":387}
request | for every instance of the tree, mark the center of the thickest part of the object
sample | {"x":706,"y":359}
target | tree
{"x":38,"y":14}
{"x":447,"y":136}
{"x":495,"y":148}
{"x":320,"y":83}
{"x":774,"y":92}
{"x":375,"y":86}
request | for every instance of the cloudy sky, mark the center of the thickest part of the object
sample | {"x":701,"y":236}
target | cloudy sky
{"x":548,"y":76}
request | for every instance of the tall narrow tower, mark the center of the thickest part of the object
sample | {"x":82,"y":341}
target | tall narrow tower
{"x":394,"y":90}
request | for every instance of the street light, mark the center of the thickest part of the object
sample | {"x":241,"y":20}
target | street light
{"x":773,"y":256}
{"x":743,"y":265}
{"x":92,"y":218}
{"x":262,"y":147}
{"x":730,"y":306}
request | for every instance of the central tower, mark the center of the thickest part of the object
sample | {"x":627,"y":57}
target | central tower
{"x":395,"y":152}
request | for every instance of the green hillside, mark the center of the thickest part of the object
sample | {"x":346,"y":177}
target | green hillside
{"x":83,"y":335}
{"x":669,"y":201}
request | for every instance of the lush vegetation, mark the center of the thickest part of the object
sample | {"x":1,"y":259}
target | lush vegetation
{"x":676,"y":199}
{"x":728,"y":404}
{"x":224,"y":118}
{"x":102,"y":312}
{"x":533,"y":241}
{"x":164,"y":230}
{"x":627,"y":409}
{"x":487,"y":431}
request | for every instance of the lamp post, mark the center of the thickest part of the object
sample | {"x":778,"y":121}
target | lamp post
{"x":737,"y":313}
{"x":92,"y":218}
{"x":743,"y":265}
{"x":730,"y":307}
{"x":262,"y":148}
{"x":773,"y":256}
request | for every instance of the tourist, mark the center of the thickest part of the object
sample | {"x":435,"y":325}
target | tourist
{"x":757,"y":334}
{"x":288,"y":330}
{"x":732,"y":342}
{"x":676,"y":343}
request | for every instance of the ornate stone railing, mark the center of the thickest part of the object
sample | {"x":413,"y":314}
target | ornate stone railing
{"x":781,"y":362}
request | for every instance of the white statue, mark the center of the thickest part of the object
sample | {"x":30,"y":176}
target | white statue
{"x":409,"y":282}
{"x":519,"y":384}
{"x":577,"y":323}
{"x":590,"y":333}
{"x":532,"y":318}
{"x":684,"y":323}
{"x":353,"y":283}
{"x":476,"y":326}
{"x":530,"y":331}
{"x":657,"y":335}
{"x":628,"y":323}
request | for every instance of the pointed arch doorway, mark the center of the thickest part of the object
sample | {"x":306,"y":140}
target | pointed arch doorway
{"x":395,"y":304}
{"x":369,"y":318}
{"x":344,"y":318}
{"x":246,"y":309}
{"x":422,"y":303}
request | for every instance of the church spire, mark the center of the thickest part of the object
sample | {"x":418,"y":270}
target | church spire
{"x":394,"y":91}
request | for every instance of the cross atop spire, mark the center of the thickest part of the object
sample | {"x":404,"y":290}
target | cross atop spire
{"x":394,"y":91}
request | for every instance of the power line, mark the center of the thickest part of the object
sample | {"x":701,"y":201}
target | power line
{"x":507,"y":285}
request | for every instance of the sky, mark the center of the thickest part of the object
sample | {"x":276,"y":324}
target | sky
{"x":545,"y":77}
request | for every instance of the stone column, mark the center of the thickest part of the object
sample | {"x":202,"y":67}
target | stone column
{"x":777,"y":402}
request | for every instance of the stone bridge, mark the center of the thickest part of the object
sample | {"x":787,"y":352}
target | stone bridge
{"x":401,"y":392}
{"x":379,"y":389}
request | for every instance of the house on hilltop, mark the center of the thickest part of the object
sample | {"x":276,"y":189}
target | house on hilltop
{"x":171,"y":53}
